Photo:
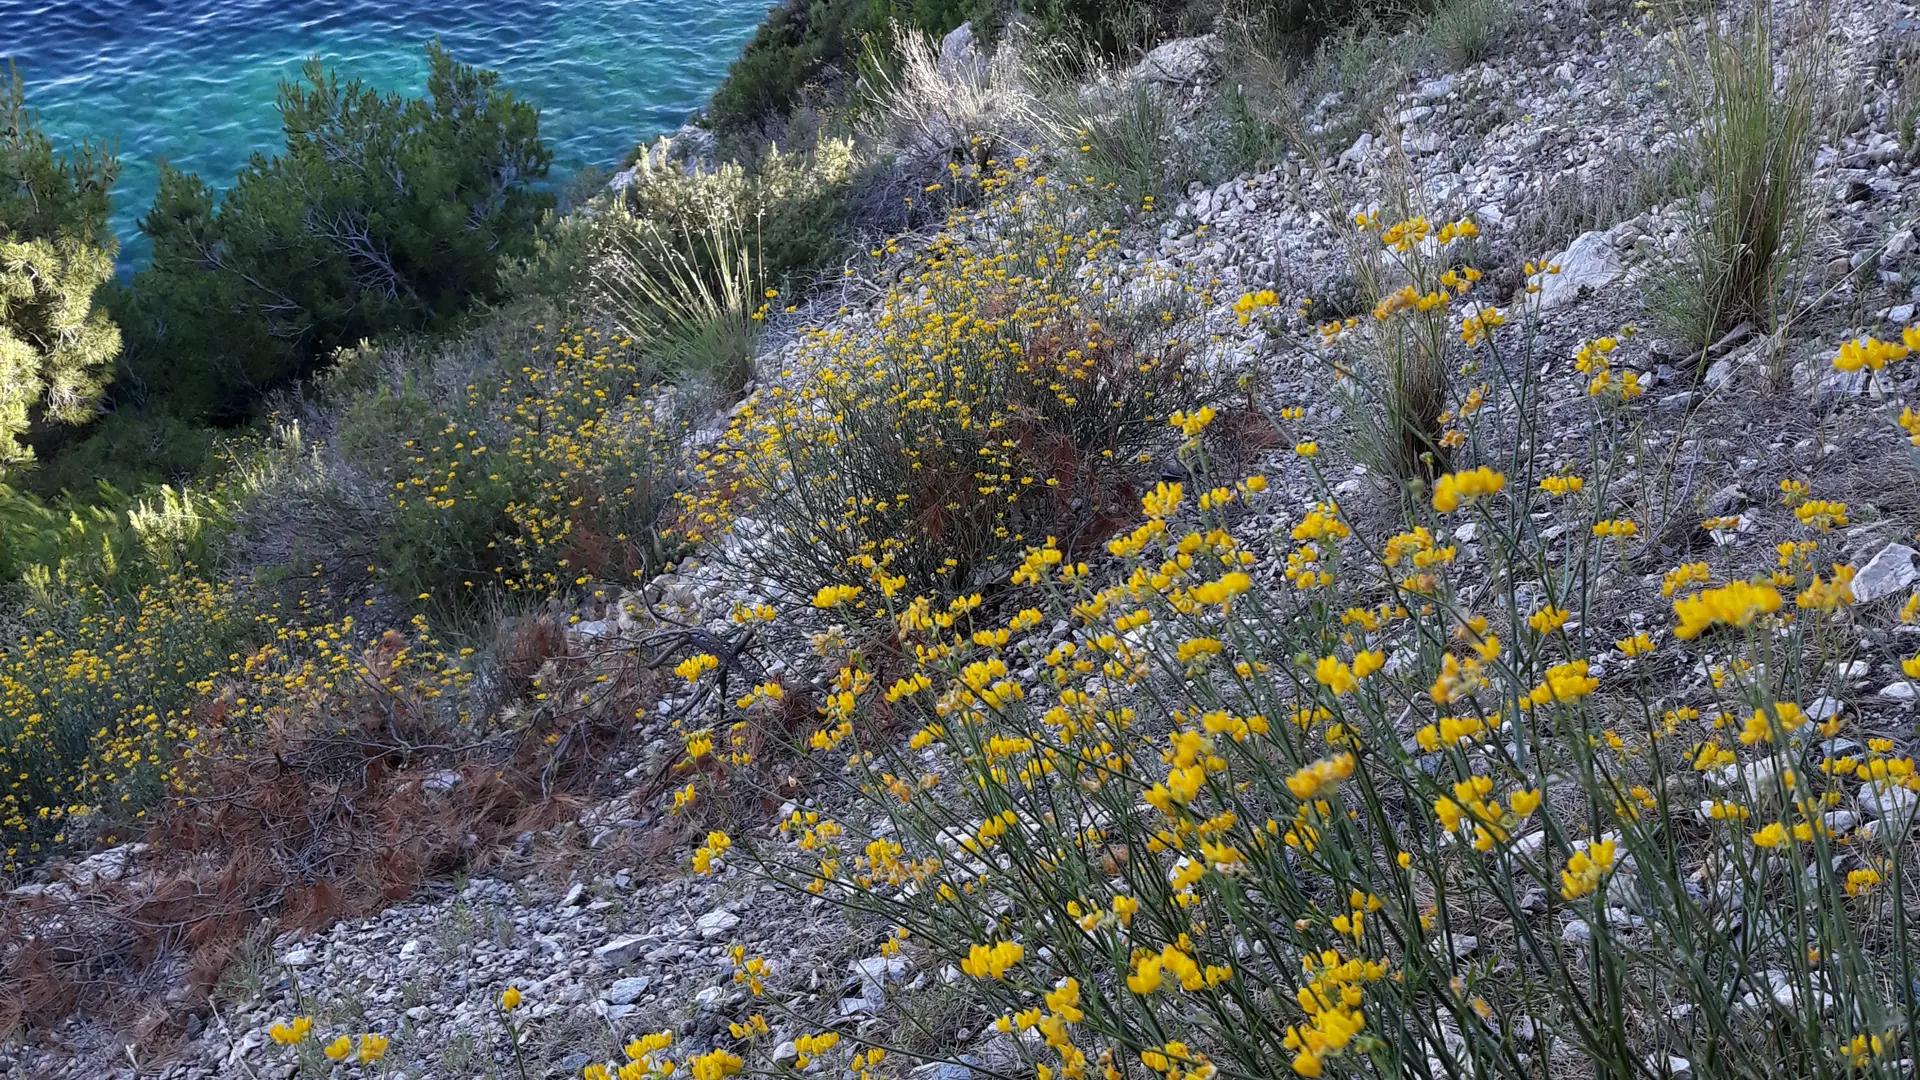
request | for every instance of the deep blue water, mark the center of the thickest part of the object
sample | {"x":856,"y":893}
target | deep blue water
{"x":193,"y":81}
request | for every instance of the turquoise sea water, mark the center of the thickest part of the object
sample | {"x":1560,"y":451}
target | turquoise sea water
{"x":193,"y":81}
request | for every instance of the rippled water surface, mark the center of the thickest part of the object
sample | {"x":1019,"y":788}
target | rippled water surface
{"x":193,"y":81}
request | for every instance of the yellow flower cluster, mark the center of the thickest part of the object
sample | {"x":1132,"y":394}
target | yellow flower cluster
{"x":371,"y":1049}
{"x":997,"y":396}
{"x":1870,"y":352}
{"x":992,"y":961}
{"x":291,"y":1033}
{"x":1594,"y":359}
{"x":1735,"y":604}
{"x":541,"y":482}
{"x":1331,"y":1001}
{"x":1273,"y":862}
{"x":107,"y":707}
{"x":1455,"y":489}
{"x":1563,"y":682}
{"x":715,"y":847}
{"x":1252,"y":303}
{"x":1586,"y":869}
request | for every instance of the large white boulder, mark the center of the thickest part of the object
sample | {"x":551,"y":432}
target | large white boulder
{"x":1886,"y":573}
{"x":1590,"y":263}
{"x":1183,"y":62}
{"x":960,"y":52}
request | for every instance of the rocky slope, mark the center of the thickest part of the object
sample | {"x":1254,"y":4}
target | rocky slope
{"x":1556,"y":147}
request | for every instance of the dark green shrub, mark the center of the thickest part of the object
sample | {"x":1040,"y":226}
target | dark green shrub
{"x":1110,"y":26}
{"x":1306,"y":22}
{"x":383,"y":214}
{"x":804,"y":40}
{"x":43,"y":193}
{"x":132,"y":449}
{"x":1467,"y":31}
{"x":798,"y":41}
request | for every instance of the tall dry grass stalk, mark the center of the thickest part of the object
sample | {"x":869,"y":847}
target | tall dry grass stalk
{"x":1756,"y":101}
{"x":694,"y":294}
{"x":960,"y":109}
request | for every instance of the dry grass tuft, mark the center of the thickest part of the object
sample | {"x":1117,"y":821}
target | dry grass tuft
{"x":1755,"y":159}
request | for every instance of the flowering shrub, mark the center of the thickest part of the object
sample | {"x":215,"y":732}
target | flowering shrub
{"x":1424,"y":803}
{"x":1399,"y":364}
{"x":124,"y":660}
{"x":319,"y":767}
{"x":93,"y":693}
{"x":1007,"y":392}
{"x":316,"y":1055}
{"x":110,"y":705}
{"x":550,"y":473}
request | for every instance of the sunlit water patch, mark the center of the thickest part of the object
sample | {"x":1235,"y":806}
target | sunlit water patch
{"x":194,"y":81}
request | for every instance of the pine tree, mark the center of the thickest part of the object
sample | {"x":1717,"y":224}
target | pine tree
{"x":56,"y":345}
{"x":383,"y":214}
